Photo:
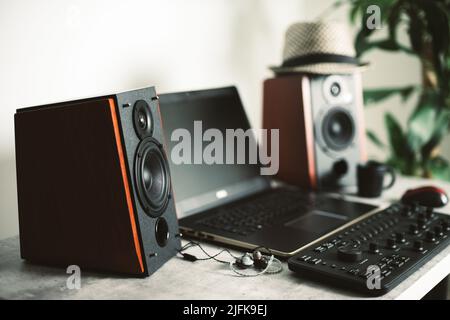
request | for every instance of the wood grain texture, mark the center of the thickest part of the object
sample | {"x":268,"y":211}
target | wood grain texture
{"x":72,"y":201}
{"x":284,"y":107}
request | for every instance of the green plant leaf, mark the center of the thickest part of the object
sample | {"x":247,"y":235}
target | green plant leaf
{"x":391,"y":14}
{"x":410,"y":167}
{"x":397,"y":141}
{"x":440,"y":129}
{"x":420,"y":126}
{"x":428,"y":123}
{"x":377,"y":95}
{"x":393,"y":19}
{"x":387,"y":45}
{"x":362,"y":45}
{"x":375,"y":140}
{"x":439,"y":168}
{"x":428,"y":26}
{"x":353,"y":13}
{"x":357,"y":8}
{"x":437,"y":29}
{"x":437,"y":24}
{"x":415,"y":29}
{"x":442,"y":124}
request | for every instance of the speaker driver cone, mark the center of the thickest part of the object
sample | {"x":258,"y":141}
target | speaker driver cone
{"x":142,"y":119}
{"x":338,"y":129}
{"x":152,"y":177}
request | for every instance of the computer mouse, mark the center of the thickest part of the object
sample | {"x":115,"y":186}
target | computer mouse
{"x":427,"y":196}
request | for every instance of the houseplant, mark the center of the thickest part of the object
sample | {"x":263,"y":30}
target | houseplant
{"x":413,"y":150}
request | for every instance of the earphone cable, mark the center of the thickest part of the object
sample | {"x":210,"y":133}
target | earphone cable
{"x":273,"y":266}
{"x":191,"y":244}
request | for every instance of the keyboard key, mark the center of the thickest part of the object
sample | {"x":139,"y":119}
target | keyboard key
{"x":320,"y":249}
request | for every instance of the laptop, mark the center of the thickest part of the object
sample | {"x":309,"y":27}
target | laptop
{"x":231,"y":202}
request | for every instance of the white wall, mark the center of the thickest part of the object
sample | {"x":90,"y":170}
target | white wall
{"x":59,"y":50}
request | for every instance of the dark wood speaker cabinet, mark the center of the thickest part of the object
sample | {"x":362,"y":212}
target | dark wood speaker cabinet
{"x":76,"y":186}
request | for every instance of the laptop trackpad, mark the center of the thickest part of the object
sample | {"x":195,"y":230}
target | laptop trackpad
{"x":317,"y":221}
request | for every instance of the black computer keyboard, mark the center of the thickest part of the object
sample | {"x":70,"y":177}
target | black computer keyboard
{"x":375,"y":254}
{"x":262,"y":210}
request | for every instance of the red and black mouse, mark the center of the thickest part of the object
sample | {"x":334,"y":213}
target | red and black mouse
{"x":427,"y":196}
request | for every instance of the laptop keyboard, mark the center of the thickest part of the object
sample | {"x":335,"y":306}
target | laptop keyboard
{"x":253,"y":214}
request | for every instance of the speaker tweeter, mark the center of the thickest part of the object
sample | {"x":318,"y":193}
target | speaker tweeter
{"x":336,"y":90}
{"x":142,"y":119}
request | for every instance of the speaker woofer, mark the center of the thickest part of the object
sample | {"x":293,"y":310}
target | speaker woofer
{"x":152,"y":177}
{"x":338,"y":129}
{"x":142,"y":119}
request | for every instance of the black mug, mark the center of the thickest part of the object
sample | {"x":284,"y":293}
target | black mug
{"x":371,"y":179}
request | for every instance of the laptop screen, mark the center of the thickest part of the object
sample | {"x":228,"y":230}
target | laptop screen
{"x":202,"y":177}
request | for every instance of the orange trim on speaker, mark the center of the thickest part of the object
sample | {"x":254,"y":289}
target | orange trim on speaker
{"x":309,"y":131}
{"x":137,"y":245}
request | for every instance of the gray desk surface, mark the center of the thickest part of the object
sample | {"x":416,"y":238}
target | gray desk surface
{"x":179,"y":279}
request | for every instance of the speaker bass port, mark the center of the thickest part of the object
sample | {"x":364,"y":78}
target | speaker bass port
{"x":161,"y":232}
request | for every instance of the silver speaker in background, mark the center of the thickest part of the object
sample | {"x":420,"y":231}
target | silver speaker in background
{"x":336,"y":110}
{"x":321,"y":123}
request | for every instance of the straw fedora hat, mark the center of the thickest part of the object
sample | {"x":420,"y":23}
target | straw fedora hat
{"x":319,"y":48}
